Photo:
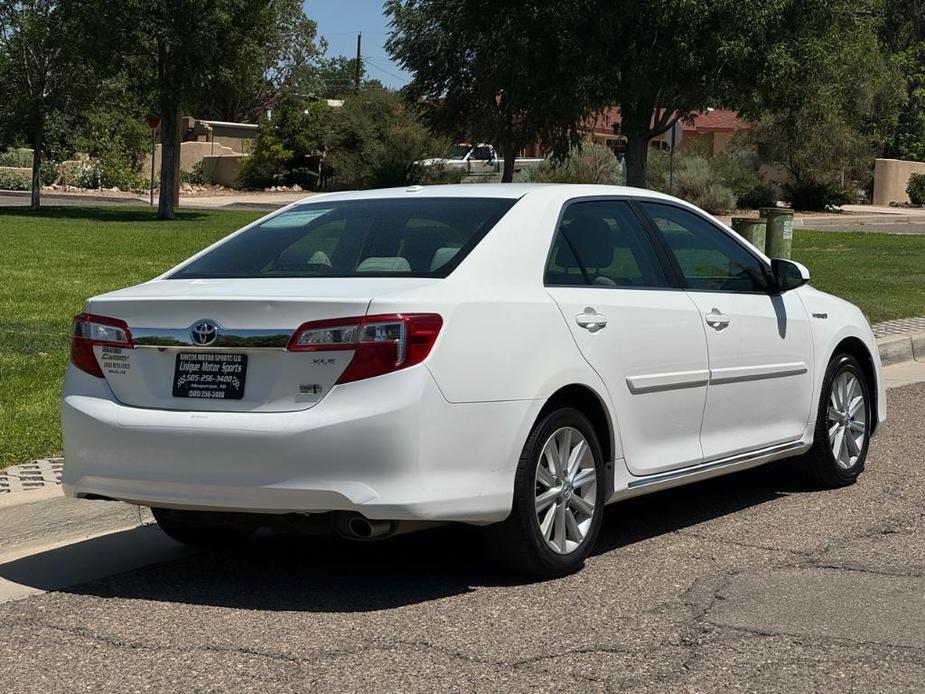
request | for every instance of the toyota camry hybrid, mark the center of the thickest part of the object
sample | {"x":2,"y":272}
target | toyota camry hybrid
{"x":509,"y":356}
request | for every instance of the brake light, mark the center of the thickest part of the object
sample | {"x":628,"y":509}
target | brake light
{"x":381,"y":344}
{"x":88,"y":331}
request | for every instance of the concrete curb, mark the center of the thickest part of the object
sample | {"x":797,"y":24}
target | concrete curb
{"x":895,"y":349}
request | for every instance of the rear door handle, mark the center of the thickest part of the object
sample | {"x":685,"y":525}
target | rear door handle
{"x":717,"y":320}
{"x":591,"y":320}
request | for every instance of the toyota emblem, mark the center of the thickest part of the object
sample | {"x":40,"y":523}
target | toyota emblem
{"x":204,"y":332}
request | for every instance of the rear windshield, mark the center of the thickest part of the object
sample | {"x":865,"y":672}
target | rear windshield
{"x":424,"y":237}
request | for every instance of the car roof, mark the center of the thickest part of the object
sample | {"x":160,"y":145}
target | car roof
{"x":490,"y":190}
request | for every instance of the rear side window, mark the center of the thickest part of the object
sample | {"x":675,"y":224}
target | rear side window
{"x":423,"y":237}
{"x":600,"y":243}
{"x":708,"y":258}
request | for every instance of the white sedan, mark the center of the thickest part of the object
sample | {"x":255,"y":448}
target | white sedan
{"x":511,"y":356}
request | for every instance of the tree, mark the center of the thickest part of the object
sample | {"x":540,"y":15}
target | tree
{"x":338,"y":76}
{"x":826,"y":128}
{"x":503,"y":73}
{"x":42,"y":77}
{"x":176,"y":52}
{"x":377,"y":139}
{"x":902,"y":33}
{"x":289,"y":64}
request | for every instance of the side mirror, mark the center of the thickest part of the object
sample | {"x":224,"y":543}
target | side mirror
{"x":789,"y":274}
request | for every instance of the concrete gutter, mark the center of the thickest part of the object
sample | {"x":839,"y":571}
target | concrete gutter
{"x":896,"y":349}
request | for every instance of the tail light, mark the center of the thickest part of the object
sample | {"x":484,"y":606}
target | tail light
{"x":89,"y":331}
{"x":381,"y":344}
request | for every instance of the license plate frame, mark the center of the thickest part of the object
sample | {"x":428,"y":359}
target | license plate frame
{"x":209,"y":375}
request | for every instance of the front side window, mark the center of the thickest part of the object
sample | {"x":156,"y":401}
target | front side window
{"x":423,"y":237}
{"x":706,"y":256}
{"x":600,"y":243}
{"x":482,"y":153}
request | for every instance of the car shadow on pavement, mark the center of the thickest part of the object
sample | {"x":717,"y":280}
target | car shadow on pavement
{"x":321,"y":574}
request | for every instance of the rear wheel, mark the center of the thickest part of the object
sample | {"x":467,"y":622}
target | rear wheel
{"x":843,"y":424}
{"x":558,"y":499}
{"x":199,"y":529}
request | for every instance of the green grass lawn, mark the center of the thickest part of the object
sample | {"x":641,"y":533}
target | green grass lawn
{"x":52,"y":260}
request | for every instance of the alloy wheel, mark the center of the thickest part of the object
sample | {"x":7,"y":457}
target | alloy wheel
{"x":847,"y":419}
{"x":566,"y":490}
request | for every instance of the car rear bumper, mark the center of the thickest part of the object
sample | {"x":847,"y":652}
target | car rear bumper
{"x":389,"y":448}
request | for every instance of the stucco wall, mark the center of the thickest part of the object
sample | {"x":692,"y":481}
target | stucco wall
{"x":891,"y":177}
{"x":223,"y":169}
{"x":191,"y":153}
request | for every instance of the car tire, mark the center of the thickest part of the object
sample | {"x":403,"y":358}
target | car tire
{"x":842,"y":433}
{"x":198,"y":529}
{"x":556,"y":514}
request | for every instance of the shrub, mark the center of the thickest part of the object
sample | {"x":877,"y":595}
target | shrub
{"x":48,"y":173}
{"x":762,"y":195}
{"x":915,"y":188}
{"x":196,"y":177}
{"x":268,"y":160}
{"x":19,"y":158}
{"x":10,"y":180}
{"x":586,"y":163}
{"x":85,"y":174}
{"x":697,"y":180}
{"x":816,"y":195}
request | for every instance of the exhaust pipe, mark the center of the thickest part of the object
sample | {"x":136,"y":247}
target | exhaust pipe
{"x":353,"y":526}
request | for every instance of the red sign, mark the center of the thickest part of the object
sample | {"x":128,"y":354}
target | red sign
{"x":154,"y":121}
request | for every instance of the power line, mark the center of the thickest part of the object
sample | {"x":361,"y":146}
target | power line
{"x":387,"y":72}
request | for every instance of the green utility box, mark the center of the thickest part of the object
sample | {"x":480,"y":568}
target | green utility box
{"x":779,"y":238}
{"x":751,"y":229}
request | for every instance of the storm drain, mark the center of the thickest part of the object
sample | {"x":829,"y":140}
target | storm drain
{"x":35,"y":475}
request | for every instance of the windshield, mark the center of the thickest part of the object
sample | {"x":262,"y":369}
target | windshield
{"x":459,"y":152}
{"x":391,"y":237}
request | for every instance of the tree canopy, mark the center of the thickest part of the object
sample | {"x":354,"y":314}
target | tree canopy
{"x":505,"y":73}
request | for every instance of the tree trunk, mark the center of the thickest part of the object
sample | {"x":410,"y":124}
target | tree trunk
{"x":509,"y":156}
{"x":37,"y":143}
{"x":637,"y":153}
{"x":170,"y":161}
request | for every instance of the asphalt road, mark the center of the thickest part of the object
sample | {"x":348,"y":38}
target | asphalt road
{"x":753,"y":582}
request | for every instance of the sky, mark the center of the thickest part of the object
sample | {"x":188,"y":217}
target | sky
{"x":339,"y":21}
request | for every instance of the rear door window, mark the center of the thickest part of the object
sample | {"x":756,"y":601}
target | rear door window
{"x":424,"y":237}
{"x":600,"y":243}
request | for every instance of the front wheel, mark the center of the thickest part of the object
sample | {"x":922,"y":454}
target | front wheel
{"x":843,"y":424}
{"x":558,"y":499}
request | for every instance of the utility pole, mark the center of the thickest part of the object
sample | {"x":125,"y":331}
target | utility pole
{"x":356,"y":82}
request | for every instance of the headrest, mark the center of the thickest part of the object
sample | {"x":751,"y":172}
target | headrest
{"x":592,"y":240}
{"x":384,"y":264}
{"x":441,"y":257}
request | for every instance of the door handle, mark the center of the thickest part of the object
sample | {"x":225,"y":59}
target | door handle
{"x":591,"y":320}
{"x":717,"y":320}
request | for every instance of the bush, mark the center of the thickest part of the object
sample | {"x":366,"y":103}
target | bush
{"x":915,"y":188}
{"x":84,"y":174}
{"x":816,"y":195}
{"x":10,"y":180}
{"x":19,"y":158}
{"x":696,"y":179}
{"x":268,"y":161}
{"x":762,"y":195}
{"x":48,"y":174}
{"x":586,"y":163}
{"x":196,"y":177}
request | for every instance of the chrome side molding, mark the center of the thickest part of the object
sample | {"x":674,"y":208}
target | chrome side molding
{"x":731,"y":461}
